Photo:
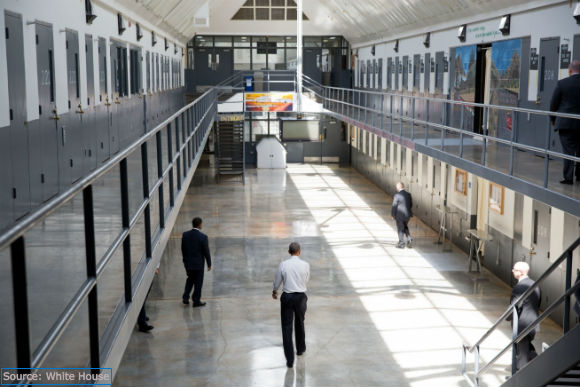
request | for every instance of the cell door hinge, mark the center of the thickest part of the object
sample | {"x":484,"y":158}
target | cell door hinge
{"x":548,"y":254}
{"x":7,"y":33}
{"x":67,"y":44}
{"x":39,"y":110}
{"x":13,"y":193}
{"x":36,"y":39}
{"x":42,"y":178}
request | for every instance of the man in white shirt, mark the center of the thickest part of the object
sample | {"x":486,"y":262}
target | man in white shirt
{"x":293,"y":273}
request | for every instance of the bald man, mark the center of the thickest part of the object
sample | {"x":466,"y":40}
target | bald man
{"x":566,"y":99}
{"x":527,"y":312}
{"x":401,"y":212}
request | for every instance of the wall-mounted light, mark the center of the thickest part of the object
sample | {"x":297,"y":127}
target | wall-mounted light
{"x":504,"y":24}
{"x":427,"y":40}
{"x":576,"y":13}
{"x":462,"y":33}
{"x":166,"y":44}
{"x":139,"y":32}
{"x":373,"y":50}
{"x":174,"y":48}
{"x":396,"y":48}
{"x":120,"y":23}
{"x":90,"y":16}
{"x":153,"y":38}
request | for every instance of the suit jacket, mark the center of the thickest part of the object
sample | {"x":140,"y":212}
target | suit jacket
{"x":566,"y":99}
{"x":402,"y":205}
{"x":195,"y":248}
{"x":528,"y":311}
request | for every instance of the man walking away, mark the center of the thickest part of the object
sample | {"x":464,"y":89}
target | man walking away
{"x":401,"y":212}
{"x":527,"y":312}
{"x":566,"y":99}
{"x":195,"y":251}
{"x":294,"y":274}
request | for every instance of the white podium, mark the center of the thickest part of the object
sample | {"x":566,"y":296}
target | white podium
{"x":271,"y":153}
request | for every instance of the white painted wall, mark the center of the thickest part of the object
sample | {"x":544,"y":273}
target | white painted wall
{"x":63,"y":14}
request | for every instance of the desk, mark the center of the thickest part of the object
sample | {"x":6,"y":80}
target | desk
{"x":477,"y":240}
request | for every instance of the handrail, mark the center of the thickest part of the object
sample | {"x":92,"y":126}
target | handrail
{"x":30,"y":220}
{"x":510,"y":310}
{"x":456,"y":102}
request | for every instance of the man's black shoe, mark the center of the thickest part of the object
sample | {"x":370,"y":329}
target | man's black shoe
{"x":401,"y":246}
{"x":146,"y":318}
{"x":300,"y":353}
{"x":567,"y":182}
{"x":145,"y":328}
{"x":186,"y":302}
{"x":289,"y":364}
{"x":199,"y":304}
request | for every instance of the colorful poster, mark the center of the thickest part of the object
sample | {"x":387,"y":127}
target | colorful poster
{"x":505,"y":84}
{"x":464,"y":85}
{"x":269,"y":102}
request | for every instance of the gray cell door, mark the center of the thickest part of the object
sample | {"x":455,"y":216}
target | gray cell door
{"x":311,"y":63}
{"x":73,"y":135}
{"x":427,"y":73}
{"x":389,"y":73}
{"x":148,"y":70}
{"x":374,"y":68}
{"x":548,"y":66}
{"x":89,"y":116}
{"x":203,"y":66}
{"x":17,"y":105}
{"x":397,"y":72}
{"x":439,"y":69}
{"x":47,"y":147}
{"x":380,"y":74}
{"x":113,"y":120}
{"x":416,"y":72}
{"x":405,"y":72}
{"x":102,"y":122}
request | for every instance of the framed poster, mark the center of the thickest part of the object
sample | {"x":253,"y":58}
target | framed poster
{"x":461,"y":182}
{"x":496,"y":198}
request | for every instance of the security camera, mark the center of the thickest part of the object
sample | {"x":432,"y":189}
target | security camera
{"x":577,"y":13}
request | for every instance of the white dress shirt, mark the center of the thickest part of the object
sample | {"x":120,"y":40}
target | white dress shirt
{"x":294,"y":273}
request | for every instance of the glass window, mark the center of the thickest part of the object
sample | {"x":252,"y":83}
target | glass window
{"x":203,"y":41}
{"x":242,"y":59}
{"x":278,"y":13}
{"x":262,"y":3}
{"x":278,"y":3}
{"x":244,"y":14}
{"x":290,"y":59}
{"x":223,"y":41}
{"x":262,"y":14}
{"x":241,"y":41}
{"x":249,"y":3}
{"x":291,"y":41}
{"x":312,"y":41}
{"x":259,"y":128}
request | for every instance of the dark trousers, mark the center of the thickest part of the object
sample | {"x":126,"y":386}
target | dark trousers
{"x":142,"y":319}
{"x":195,"y":281}
{"x":293,"y":307}
{"x":570,"y":146}
{"x":402,"y":230}
{"x":525,"y":351}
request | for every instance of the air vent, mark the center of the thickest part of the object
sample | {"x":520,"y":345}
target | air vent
{"x":268,"y":10}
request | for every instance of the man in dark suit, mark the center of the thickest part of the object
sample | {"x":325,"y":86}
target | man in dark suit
{"x":566,"y":99}
{"x":195,"y":251}
{"x":527,"y":312}
{"x":401,"y":212}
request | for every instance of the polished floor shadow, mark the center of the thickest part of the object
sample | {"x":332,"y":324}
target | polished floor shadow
{"x":377,"y":315}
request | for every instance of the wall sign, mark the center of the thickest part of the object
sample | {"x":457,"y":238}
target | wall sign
{"x":496,"y":198}
{"x":461,"y":182}
{"x":534,"y":58}
{"x":565,"y":56}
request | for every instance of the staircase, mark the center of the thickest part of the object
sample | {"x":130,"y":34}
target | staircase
{"x":229,"y":147}
{"x":568,"y":379}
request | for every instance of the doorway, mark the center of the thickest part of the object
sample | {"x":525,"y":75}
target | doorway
{"x":482,"y":84}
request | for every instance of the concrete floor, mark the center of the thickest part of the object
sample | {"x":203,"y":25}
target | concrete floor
{"x":377,"y":315}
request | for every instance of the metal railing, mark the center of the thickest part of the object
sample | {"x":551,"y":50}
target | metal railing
{"x":184,"y":133}
{"x":441,"y":123}
{"x":511,"y":311}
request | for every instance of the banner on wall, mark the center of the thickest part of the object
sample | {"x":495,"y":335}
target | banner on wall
{"x":269,"y":102}
{"x":464,"y":85}
{"x":505,"y":84}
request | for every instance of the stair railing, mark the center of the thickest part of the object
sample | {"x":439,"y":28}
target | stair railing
{"x":512,"y":311}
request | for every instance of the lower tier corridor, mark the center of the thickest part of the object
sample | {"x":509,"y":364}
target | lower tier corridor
{"x":377,"y":315}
